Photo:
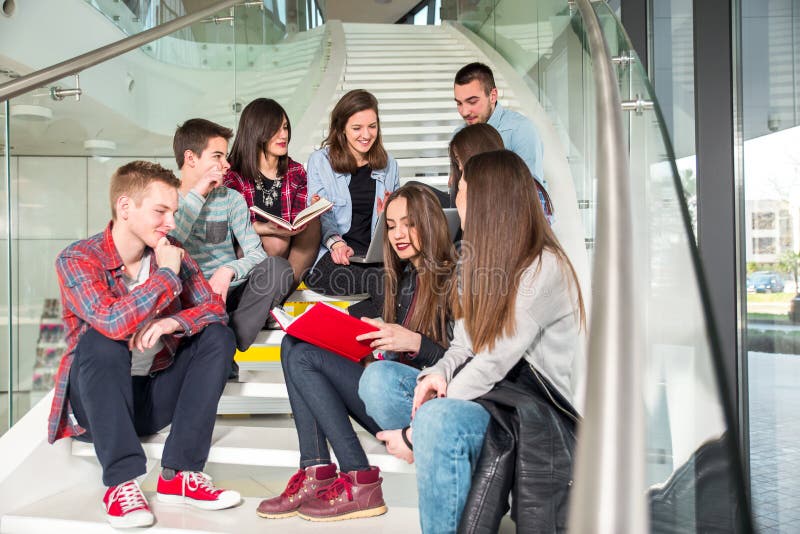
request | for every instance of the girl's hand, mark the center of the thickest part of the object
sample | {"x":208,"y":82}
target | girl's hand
{"x":390,"y":336}
{"x":381,"y":202}
{"x":270,"y":229}
{"x":395,"y":444}
{"x":432,"y":386}
{"x":340,"y":253}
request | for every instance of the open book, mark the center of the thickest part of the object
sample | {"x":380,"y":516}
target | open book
{"x":327,"y":327}
{"x":309,"y":214}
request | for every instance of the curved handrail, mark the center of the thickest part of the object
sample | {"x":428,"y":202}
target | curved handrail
{"x":55,"y":72}
{"x":609,"y":492}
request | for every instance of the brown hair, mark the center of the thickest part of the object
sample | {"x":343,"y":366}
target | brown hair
{"x":501,"y":242}
{"x":429,"y":315}
{"x":194,"y":135}
{"x":467,"y":142}
{"x":342,"y":160}
{"x":132,"y":179}
{"x":476,"y":71}
{"x":259,"y":122}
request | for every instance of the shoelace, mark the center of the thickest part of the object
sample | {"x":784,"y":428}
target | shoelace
{"x":129,"y":495}
{"x":194,"y":480}
{"x":342,"y":484}
{"x":295,"y":483}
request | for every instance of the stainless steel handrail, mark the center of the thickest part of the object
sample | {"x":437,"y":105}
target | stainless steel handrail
{"x":55,"y":72}
{"x":609,"y":492}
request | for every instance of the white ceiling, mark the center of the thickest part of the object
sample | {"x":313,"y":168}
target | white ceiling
{"x":368,"y":10}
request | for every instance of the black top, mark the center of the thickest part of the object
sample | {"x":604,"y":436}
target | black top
{"x":362,"y":195}
{"x":430,"y":352}
{"x":267,"y":195}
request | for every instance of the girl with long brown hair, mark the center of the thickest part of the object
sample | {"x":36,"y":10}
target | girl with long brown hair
{"x":323,"y":387}
{"x":352,"y":170}
{"x":262,"y":171}
{"x":518,"y":312}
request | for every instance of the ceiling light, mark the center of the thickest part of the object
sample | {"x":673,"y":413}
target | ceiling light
{"x":31,"y":113}
{"x":99,"y":146}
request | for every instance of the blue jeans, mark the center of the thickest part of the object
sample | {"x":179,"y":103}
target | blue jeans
{"x":448,"y":437}
{"x":387,"y":389}
{"x":323,"y":393}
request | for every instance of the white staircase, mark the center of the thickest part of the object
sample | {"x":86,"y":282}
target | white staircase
{"x":410,"y":71}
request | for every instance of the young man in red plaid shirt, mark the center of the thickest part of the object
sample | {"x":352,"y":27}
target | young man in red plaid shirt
{"x":147,"y":347}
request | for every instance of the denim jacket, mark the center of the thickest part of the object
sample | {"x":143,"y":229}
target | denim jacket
{"x":334,"y":186}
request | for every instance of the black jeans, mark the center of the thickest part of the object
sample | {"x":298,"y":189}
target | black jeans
{"x":249,"y":303}
{"x":323,"y":392}
{"x":329,"y":278}
{"x":115,"y":407}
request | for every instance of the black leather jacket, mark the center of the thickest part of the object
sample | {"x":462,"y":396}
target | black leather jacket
{"x":528,"y":452}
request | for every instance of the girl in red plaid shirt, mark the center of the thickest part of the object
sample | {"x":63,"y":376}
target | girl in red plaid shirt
{"x":265,"y":175}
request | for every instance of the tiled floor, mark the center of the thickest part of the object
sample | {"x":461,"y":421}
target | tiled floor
{"x":775,"y":441}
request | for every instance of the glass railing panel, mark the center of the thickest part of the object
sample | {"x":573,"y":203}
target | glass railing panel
{"x":544,"y":43}
{"x":251,"y":25}
{"x":693,"y":468}
{"x":6,"y":368}
{"x":288,"y":71}
{"x":65,"y":152}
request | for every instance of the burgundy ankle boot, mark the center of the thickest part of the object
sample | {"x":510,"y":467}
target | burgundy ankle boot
{"x":302,"y":487}
{"x":354,"y":494}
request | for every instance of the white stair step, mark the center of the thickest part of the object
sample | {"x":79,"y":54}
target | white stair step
{"x":422,"y":85}
{"x":419,"y":95}
{"x":392,"y":146}
{"x":404,"y":52}
{"x":410,"y":70}
{"x":393,"y":131}
{"x":256,"y":392}
{"x":430,"y":104}
{"x":79,"y":510}
{"x":425,"y":163}
{"x":448,"y":62}
{"x":451,"y":116}
{"x":393,"y":75}
{"x":414,"y":46}
{"x":261,"y":446}
{"x":439,"y":181}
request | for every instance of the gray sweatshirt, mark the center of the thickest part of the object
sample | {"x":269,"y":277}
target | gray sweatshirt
{"x":546,"y":335}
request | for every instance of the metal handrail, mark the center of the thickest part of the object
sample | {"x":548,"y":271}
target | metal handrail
{"x":609,"y":492}
{"x":55,"y":72}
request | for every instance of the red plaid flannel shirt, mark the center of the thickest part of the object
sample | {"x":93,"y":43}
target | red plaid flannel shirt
{"x":294,"y":190}
{"x":94,"y":295}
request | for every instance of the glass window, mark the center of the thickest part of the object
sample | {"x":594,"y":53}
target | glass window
{"x":769,"y":94}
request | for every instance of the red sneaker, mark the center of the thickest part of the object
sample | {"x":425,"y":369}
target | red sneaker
{"x":126,"y":506}
{"x":195,"y":488}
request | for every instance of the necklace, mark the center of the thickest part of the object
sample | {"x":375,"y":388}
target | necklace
{"x":269,"y":193}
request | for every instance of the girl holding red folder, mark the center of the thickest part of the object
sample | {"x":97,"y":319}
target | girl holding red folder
{"x":419,"y":260}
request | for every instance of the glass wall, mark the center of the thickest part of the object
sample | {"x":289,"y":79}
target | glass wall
{"x":58,"y":154}
{"x":770,"y":66}
{"x":672,"y":70}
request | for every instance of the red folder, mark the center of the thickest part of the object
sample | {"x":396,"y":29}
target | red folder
{"x":329,"y":328}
